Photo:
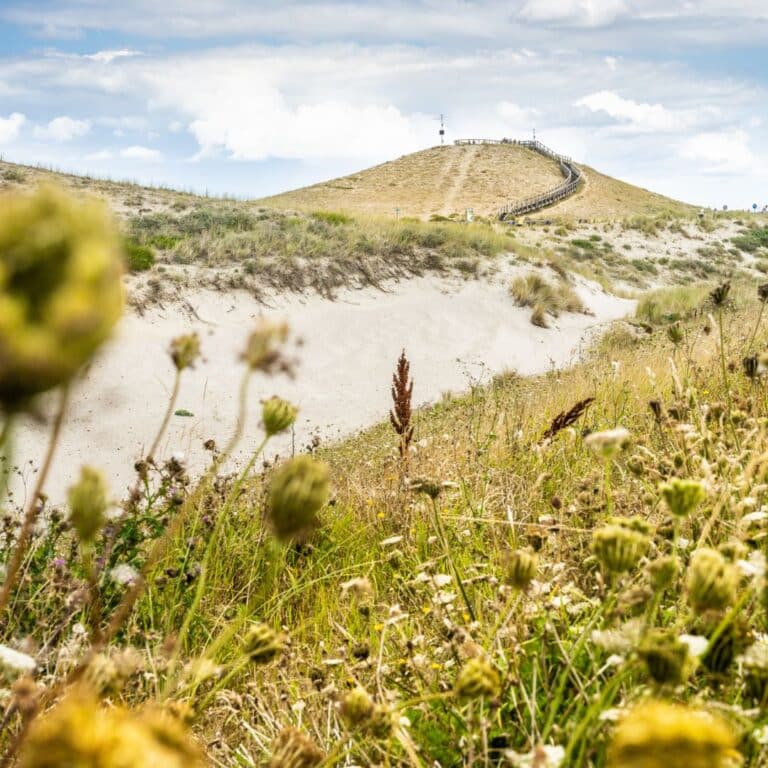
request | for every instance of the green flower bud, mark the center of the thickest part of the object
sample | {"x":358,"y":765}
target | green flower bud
{"x":711,"y":581}
{"x":682,"y":496}
{"x":185,"y":350}
{"x":667,"y":659}
{"x":60,"y":290}
{"x":299,"y":489}
{"x":619,"y":547}
{"x":478,"y":679}
{"x":357,"y":706}
{"x":277,"y":415}
{"x":88,"y":502}
{"x":520,"y":568}
{"x":663,"y":571}
{"x":261,"y":644}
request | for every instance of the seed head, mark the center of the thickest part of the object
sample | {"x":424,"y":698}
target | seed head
{"x":277,"y":415}
{"x":262,"y":644}
{"x":60,"y":290}
{"x":608,"y":443}
{"x":719,"y":295}
{"x":293,"y":749}
{"x":762,"y":292}
{"x":88,"y":504}
{"x":185,"y":350}
{"x":667,"y":659}
{"x":478,"y":679}
{"x":619,"y":546}
{"x":263,"y":349}
{"x":299,"y":489}
{"x":656,"y":734}
{"x":711,"y":581}
{"x":357,"y":707}
{"x":682,"y":496}
{"x":520,"y":568}
{"x":663,"y":571}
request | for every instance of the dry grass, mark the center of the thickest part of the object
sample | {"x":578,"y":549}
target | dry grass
{"x":546,"y":298}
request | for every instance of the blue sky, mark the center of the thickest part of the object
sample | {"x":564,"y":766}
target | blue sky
{"x":248,"y":98}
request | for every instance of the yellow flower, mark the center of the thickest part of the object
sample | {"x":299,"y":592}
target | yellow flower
{"x":656,"y":734}
{"x":60,"y":290}
{"x":80,"y":733}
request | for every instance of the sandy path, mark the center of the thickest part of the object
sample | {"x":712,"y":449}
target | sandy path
{"x":457,"y":182}
{"x":451,"y":331}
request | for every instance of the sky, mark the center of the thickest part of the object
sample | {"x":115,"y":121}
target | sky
{"x":248,"y":98}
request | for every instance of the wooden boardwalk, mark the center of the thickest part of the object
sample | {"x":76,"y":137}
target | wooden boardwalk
{"x":572,"y":178}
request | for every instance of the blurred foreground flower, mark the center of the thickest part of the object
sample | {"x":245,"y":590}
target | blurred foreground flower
{"x":299,"y":489}
{"x":60,"y":290}
{"x":78,"y":732}
{"x":656,"y":734}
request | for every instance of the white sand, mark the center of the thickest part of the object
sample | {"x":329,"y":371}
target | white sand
{"x":451,"y":330}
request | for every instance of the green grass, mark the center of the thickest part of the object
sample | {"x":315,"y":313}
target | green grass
{"x":671,"y":304}
{"x":751,"y":240}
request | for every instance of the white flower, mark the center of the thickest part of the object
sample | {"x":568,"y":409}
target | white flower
{"x":14,"y":663}
{"x":391,"y":541}
{"x":609,"y":442}
{"x":542,"y":756}
{"x":697,"y":645}
{"x":124,"y":574}
{"x":753,"y":566}
{"x":441,"y":580}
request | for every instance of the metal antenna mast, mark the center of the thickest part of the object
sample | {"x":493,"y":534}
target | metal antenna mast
{"x":442,"y":129}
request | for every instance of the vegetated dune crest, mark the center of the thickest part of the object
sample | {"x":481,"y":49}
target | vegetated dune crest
{"x":447,"y":180}
{"x":454,"y":332}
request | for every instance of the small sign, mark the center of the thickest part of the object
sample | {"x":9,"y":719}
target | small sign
{"x":470,"y":214}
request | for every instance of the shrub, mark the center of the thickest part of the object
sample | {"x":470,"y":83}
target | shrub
{"x":332,"y":217}
{"x":139,"y":258}
{"x":535,"y":291}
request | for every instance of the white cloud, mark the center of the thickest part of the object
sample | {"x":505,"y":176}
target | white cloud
{"x":63,"y":129}
{"x":642,"y":117}
{"x":720,"y":151}
{"x":518,"y":118}
{"x":577,"y":13}
{"x":144,"y":154}
{"x":100,"y":155}
{"x":107,"y":57}
{"x":10,"y":127}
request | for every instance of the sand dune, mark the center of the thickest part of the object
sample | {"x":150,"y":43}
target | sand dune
{"x":453,"y":331}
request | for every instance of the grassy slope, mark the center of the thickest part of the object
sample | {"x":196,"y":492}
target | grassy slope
{"x":406,"y":639}
{"x":445,"y":180}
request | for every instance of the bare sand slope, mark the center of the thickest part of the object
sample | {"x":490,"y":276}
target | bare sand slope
{"x":451,"y":331}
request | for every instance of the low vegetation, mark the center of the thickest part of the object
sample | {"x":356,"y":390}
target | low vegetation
{"x":545,"y":297}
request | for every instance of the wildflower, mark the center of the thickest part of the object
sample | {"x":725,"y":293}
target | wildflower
{"x":719,"y":295}
{"x":185,"y":350}
{"x":262,"y":350}
{"x":711,"y":581}
{"x":78,"y":732}
{"x":667,"y":659}
{"x":656,"y":734}
{"x":609,"y":442}
{"x":682,"y":496}
{"x":124,"y":574}
{"x":88,"y":504}
{"x":60,"y":290}
{"x":541,"y":756}
{"x":478,"y":679}
{"x":14,"y":663}
{"x":520,"y":568}
{"x":619,"y":546}
{"x":293,"y":749}
{"x":277,"y":415}
{"x":299,"y":489}
{"x":663,"y":571}
{"x":261,"y":644}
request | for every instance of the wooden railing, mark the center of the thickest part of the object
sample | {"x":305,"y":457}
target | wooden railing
{"x":572,"y":176}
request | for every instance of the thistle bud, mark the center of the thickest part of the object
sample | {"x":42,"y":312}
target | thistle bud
{"x":277,"y":415}
{"x":656,"y":734}
{"x":520,"y":568}
{"x":619,"y":547}
{"x":478,"y":679}
{"x":711,"y":581}
{"x":88,"y":504}
{"x":682,"y":496}
{"x":299,"y":489}
{"x":261,"y":644}
{"x":60,"y":290}
{"x":185,"y":350}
